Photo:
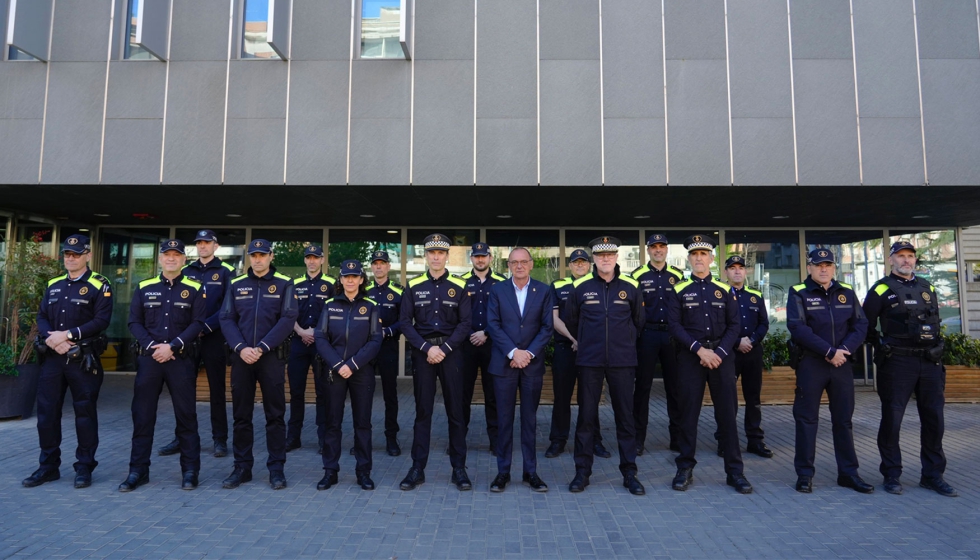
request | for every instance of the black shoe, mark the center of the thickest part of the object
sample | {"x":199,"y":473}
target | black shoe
{"x":83,"y":479}
{"x":640,"y":450}
{"x":600,"y":451}
{"x":392,"y":447}
{"x":460,"y":479}
{"x":500,"y":482}
{"x":533,"y":481}
{"x":555,"y":449}
{"x":721,"y":452}
{"x":893,"y":486}
{"x":804,"y":484}
{"x":674,"y":447}
{"x":854,"y":482}
{"x":41,"y":476}
{"x":739,"y":483}
{"x":939,"y":486}
{"x":237,"y":477}
{"x":364,"y":481}
{"x":190,"y":481}
{"x":413,"y":479}
{"x":171,"y":448}
{"x":683,"y":480}
{"x":277,"y":480}
{"x":760,"y":449}
{"x":293,"y":444}
{"x":134,"y":481}
{"x":579,"y":483}
{"x":328,"y":480}
{"x":634,"y":486}
{"x":220,"y":449}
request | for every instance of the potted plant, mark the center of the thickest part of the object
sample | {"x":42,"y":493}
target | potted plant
{"x":961,"y":356}
{"x":28,"y":269}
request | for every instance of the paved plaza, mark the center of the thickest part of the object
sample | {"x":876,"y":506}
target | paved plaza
{"x":437,"y":521}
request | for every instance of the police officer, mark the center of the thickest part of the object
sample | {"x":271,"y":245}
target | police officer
{"x":348,"y":337}
{"x":909,"y":351}
{"x":826,"y":323}
{"x":312,"y":290}
{"x":388,"y":294}
{"x":478,"y":348}
{"x":74,"y":314}
{"x":703,"y":319}
{"x":657,"y":280}
{"x":605,"y":313}
{"x":257,"y":315}
{"x":754,"y":320}
{"x":166,"y":315}
{"x":435,"y":319}
{"x":563,"y":370}
{"x":214,"y":274}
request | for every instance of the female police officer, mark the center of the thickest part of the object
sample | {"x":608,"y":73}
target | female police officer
{"x":348,"y":338}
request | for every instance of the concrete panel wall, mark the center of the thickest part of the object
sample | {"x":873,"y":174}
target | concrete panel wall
{"x":256,"y":137}
{"x":195,"y":123}
{"x":80,"y":31}
{"x":321,"y":30}
{"x":134,"y":122}
{"x":21,"y":114}
{"x":380,"y":128}
{"x":318,"y":108}
{"x":73,"y":129}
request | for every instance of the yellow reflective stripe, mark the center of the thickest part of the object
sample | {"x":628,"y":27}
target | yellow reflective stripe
{"x":880,"y":289}
{"x":683,"y":285}
{"x":57,"y":279}
{"x":416,"y":281}
{"x":148,"y":282}
{"x":578,"y":282}
{"x":95,"y":282}
{"x":242,"y":277}
{"x":754,"y":292}
{"x":630,"y":281}
{"x":192,"y":283}
{"x":458,"y":281}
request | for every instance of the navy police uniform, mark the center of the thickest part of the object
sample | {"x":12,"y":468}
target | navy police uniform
{"x":215,"y":276}
{"x":822,"y":321}
{"x":83,"y":307}
{"x":909,"y":353}
{"x":754,"y":320}
{"x":654,"y":344}
{"x":703,"y":313}
{"x":348,"y":334}
{"x":436,"y":312}
{"x":606,"y":317}
{"x":166,"y":311}
{"x":258,"y":312}
{"x":311,"y":294}
{"x":478,"y":357}
{"x":564,"y":373}
{"x":389,"y":298}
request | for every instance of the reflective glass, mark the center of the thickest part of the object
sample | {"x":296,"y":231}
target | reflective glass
{"x":676,"y":253}
{"x":255,"y":33}
{"x":359,"y":244}
{"x":231,"y":246}
{"x":542,"y":244}
{"x":380,"y":28}
{"x":936,"y":262}
{"x":459,"y":253}
{"x":287,"y":248}
{"x":772,"y":262}
{"x":630,"y":255}
{"x":134,"y":51}
{"x":17,"y":54}
{"x":859,"y":253}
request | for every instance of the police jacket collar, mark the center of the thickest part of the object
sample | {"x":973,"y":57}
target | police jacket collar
{"x":213,"y":263}
{"x":174,"y":282}
{"x":342,"y":297}
{"x":905,"y":280}
{"x":595,"y":274}
{"x":85,"y":275}
{"x":308,"y":278}
{"x":708,"y":278}
{"x":267,"y":276}
{"x":812,"y":284}
{"x":445,"y":275}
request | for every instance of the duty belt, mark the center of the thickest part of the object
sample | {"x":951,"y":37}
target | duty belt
{"x":437,"y":340}
{"x":904,"y":351}
{"x":710,"y":344}
{"x":655,"y":327}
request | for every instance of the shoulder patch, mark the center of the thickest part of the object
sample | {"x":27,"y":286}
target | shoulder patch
{"x":798,"y":287}
{"x":753,"y":292}
{"x":629,"y":280}
{"x":676,"y":272}
{"x":579,"y":282}
{"x":192,"y":283}
{"x":326,"y":278}
{"x":562,"y":282}
{"x":416,"y":281}
{"x":282,"y":277}
{"x":228,"y":266}
{"x":371,"y":300}
{"x":148,"y":282}
{"x":242,"y":277}
{"x":640,"y":270}
{"x":395,"y":288}
{"x":467,"y":276}
{"x":298,"y":280}
{"x":880,"y":289}
{"x":95,"y":281}
{"x":457,"y":280}
{"x":329,"y":300}
{"x":848,"y":286}
{"x":721,"y":284}
{"x":57,"y":279}
{"x":498,"y":277}
{"x":682,"y":285}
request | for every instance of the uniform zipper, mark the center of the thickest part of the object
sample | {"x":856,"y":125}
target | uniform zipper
{"x":350,"y":311}
{"x":255,"y":319}
{"x":605,"y":301}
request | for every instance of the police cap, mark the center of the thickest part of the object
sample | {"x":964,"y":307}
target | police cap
{"x":480,"y":250}
{"x":380,"y":256}
{"x":259,"y":246}
{"x":699,"y":242}
{"x":605,"y":244}
{"x":77,"y":243}
{"x":902,"y":245}
{"x":579,"y":255}
{"x":351,"y":267}
{"x":820,"y":255}
{"x":436,"y":242}
{"x":172,"y":245}
{"x":656,"y":238}
{"x":314,"y":250}
{"x":205,"y":235}
{"x":733,"y":260}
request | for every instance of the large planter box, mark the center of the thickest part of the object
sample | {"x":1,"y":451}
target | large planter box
{"x":962,"y":384}
{"x":18,"y":394}
{"x":778,"y":387}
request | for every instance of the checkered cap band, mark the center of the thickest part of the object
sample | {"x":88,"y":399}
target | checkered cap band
{"x":605,"y":248}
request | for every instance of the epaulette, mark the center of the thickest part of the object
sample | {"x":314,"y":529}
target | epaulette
{"x":236,"y":279}
{"x":640,"y":270}
{"x":457,"y":280}
{"x":395,"y":288}
{"x":57,"y":279}
{"x":371,"y":300}
{"x":93,"y":280}
{"x":753,"y":292}
{"x":467,"y":276}
{"x":192,"y":283}
{"x":848,"y":286}
{"x":228,"y":266}
{"x":282,"y":276}
{"x":881,"y":288}
{"x":799,"y":287}
{"x":329,"y":300}
{"x":497,"y":277}
{"x":582,"y":279}
{"x":675,"y":271}
{"x":330,"y":279}
{"x":417,"y":280}
{"x":721,"y":284}
{"x":629,"y":280}
{"x":682,"y":285}
{"x":562,"y":282}
{"x":148,"y":282}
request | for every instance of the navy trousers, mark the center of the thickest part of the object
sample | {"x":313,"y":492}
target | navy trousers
{"x":214,"y":355}
{"x":692,"y":377}
{"x":654,"y":346}
{"x":478,"y":358}
{"x":268,"y":372}
{"x":387,"y":368}
{"x":57,"y":376}
{"x":505,"y":387}
{"x":301,"y":359}
{"x":813,"y":376}
{"x":621,"y":381}
{"x":180,"y":376}
{"x":450,"y":374}
{"x":748,"y":368}
{"x":360,"y":386}
{"x":898,"y":378}
{"x":564,"y":375}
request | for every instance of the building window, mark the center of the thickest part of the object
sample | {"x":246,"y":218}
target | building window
{"x":772,"y":262}
{"x":936,"y":262}
{"x":26,"y":28}
{"x":973,"y":271}
{"x":386,"y":29}
{"x":134,"y":50}
{"x":257,"y":30}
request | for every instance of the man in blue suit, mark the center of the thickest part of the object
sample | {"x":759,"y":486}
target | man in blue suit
{"x":520,"y":323}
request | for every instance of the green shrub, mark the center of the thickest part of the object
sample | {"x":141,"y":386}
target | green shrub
{"x":774,"y":349}
{"x":960,"y":350}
